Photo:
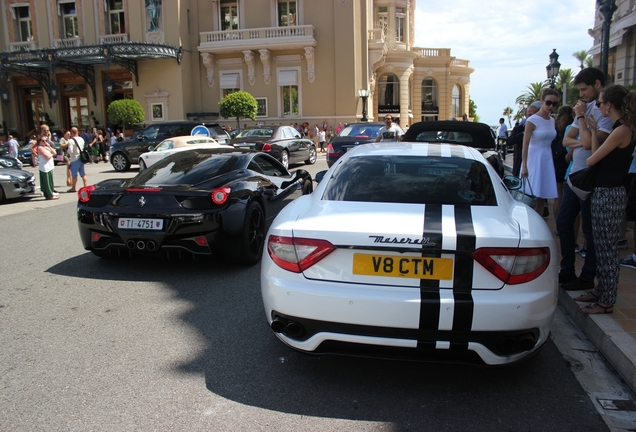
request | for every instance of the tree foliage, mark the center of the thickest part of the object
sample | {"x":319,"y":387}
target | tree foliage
{"x":238,"y":105}
{"x":582,"y":57}
{"x":472,"y":110}
{"x":507,"y":112}
{"x":532,"y":94}
{"x":125,"y":112}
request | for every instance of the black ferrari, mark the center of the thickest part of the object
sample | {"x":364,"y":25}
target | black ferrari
{"x":194,"y":203}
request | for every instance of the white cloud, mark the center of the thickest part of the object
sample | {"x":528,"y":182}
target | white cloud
{"x":507,"y":43}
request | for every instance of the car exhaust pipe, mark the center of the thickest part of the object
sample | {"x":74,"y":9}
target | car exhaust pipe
{"x":130,"y":244}
{"x":141,"y":245}
{"x":293,"y":329}
{"x":278,"y":325}
{"x":509,"y":345}
{"x":527,"y":342}
{"x":151,"y":245}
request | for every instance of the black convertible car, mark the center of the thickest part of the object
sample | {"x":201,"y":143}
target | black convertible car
{"x":353,"y":135}
{"x":282,"y":142}
{"x":194,"y":203}
{"x":470,"y":134}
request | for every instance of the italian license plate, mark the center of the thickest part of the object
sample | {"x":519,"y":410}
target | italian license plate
{"x":139,"y":223}
{"x":403,"y":266}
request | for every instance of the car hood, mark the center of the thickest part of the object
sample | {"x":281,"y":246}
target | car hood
{"x":13,"y":172}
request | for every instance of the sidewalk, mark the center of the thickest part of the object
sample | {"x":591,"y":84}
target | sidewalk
{"x":614,"y":335}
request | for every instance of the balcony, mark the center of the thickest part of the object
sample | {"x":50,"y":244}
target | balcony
{"x":292,"y":37}
{"x":67,"y":43}
{"x":23,"y":46}
{"x":113,"y":38}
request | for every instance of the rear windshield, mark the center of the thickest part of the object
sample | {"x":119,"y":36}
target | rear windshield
{"x":256,"y":133}
{"x":412,"y":180}
{"x":186,"y":168}
{"x":360,"y":131}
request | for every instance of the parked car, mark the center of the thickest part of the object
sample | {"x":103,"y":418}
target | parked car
{"x":24,"y":155}
{"x":352,"y":135}
{"x":16,"y":183}
{"x":471,"y":134}
{"x":283,"y":142}
{"x":420,"y":253}
{"x":174,"y":145}
{"x":7,"y":161}
{"x":127,"y":152}
{"x":213,"y":201}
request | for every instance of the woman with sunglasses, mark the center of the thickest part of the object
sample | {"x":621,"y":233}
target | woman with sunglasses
{"x":613,"y":158}
{"x":536,"y":154}
{"x":46,"y":162}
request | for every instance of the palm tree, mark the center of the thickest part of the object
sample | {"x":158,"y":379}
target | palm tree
{"x":581,"y":56}
{"x":507,"y":112}
{"x":532,"y":94}
{"x":566,"y":76}
{"x":589,"y":62}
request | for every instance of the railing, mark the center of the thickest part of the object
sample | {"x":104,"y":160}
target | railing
{"x":433,"y":52}
{"x":376,"y":35}
{"x":290,"y":32}
{"x":114,"y":38}
{"x":19,"y":46}
{"x":67,"y":43}
{"x":458,"y":62}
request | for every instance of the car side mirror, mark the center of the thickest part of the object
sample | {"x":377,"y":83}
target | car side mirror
{"x":320,"y":176}
{"x":299,"y":174}
{"x":141,"y":137}
{"x":511,"y":182}
{"x":151,"y":148}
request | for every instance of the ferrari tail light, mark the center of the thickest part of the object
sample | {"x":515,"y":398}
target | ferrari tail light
{"x":84,"y":194}
{"x":514,"y":265}
{"x":330,"y":150}
{"x":297,"y":254}
{"x":266,"y":147}
{"x":220,"y":195}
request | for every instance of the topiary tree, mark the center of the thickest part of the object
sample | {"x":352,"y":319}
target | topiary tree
{"x":239,"y":104}
{"x":125,"y":112}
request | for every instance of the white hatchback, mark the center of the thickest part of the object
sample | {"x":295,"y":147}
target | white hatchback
{"x":174,"y":145}
{"x":413,"y":251}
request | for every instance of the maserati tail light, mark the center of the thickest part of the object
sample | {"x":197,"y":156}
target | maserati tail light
{"x":514,"y":265}
{"x":297,"y":254}
{"x":84,"y":194}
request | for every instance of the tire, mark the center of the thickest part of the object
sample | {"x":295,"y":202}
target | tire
{"x":312,"y":156}
{"x":253,"y":235}
{"x":120,"y":162}
{"x":142,"y":165}
{"x":284,"y":158}
{"x":1,"y":194}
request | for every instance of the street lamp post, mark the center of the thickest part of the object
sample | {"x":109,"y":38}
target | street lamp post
{"x":553,"y":67}
{"x":607,"y":9}
{"x":364,"y":94}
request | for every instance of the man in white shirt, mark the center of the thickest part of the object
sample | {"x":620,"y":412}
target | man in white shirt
{"x":13,"y":147}
{"x":76,"y":143}
{"x":390,"y":131}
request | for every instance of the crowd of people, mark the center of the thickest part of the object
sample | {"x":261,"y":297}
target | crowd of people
{"x":599,"y":130}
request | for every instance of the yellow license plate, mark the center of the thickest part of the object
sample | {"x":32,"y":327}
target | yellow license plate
{"x":403,"y":266}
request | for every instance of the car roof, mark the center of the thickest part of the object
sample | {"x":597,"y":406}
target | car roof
{"x":201,"y":139}
{"x":481,"y":134}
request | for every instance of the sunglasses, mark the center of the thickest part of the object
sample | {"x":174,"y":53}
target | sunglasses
{"x":388,"y":119}
{"x":599,"y":103}
{"x":551,"y":103}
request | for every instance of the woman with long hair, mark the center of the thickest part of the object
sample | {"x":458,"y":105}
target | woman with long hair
{"x":609,"y":197}
{"x":537,"y":163}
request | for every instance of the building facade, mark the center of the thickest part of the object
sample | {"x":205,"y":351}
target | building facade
{"x":63,"y":61}
{"x":621,"y":65}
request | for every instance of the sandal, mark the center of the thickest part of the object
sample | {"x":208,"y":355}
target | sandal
{"x":587,"y":297}
{"x":595,"y":308}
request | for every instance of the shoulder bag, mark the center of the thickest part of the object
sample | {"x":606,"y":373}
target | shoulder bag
{"x":528,"y":199}
{"x":582,"y":181}
{"x":83,"y":154}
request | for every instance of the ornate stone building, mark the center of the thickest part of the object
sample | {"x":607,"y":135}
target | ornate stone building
{"x":302,"y":60}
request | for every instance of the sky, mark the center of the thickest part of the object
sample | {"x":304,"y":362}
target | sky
{"x":506,"y":42}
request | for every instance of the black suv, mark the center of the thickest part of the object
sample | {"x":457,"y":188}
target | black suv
{"x":125,"y":153}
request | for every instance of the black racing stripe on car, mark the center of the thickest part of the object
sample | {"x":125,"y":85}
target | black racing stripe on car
{"x":435,"y":150}
{"x":457,"y":151}
{"x":463,"y":274}
{"x":429,"y":289}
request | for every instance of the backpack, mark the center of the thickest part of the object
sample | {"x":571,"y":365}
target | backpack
{"x":83,"y":153}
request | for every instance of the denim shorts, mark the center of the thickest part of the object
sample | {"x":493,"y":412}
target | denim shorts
{"x":77,"y":167}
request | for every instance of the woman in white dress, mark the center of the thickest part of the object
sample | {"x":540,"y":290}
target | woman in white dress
{"x":537,"y":163}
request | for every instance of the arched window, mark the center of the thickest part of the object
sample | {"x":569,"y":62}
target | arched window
{"x":389,"y":90}
{"x":429,"y":93}
{"x":456,"y":99}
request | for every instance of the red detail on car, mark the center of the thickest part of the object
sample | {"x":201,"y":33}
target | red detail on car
{"x":266,"y":147}
{"x":297,"y":254}
{"x":84,"y":194}
{"x":95,"y":236}
{"x":220,"y":195}
{"x":514,"y":265}
{"x":201,"y":241}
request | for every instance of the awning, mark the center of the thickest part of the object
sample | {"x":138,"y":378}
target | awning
{"x":617,"y":31}
{"x":229,"y":81}
{"x":40,"y":64}
{"x":287,"y":77}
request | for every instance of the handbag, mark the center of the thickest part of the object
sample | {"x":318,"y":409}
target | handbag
{"x":582,"y":181}
{"x":528,"y":199}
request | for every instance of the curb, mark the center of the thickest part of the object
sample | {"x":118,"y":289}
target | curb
{"x":609,"y":337}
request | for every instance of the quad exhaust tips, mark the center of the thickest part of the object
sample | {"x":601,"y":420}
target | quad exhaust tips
{"x":141,"y":245}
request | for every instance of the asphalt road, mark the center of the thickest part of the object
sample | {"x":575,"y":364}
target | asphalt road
{"x":137,"y":344}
